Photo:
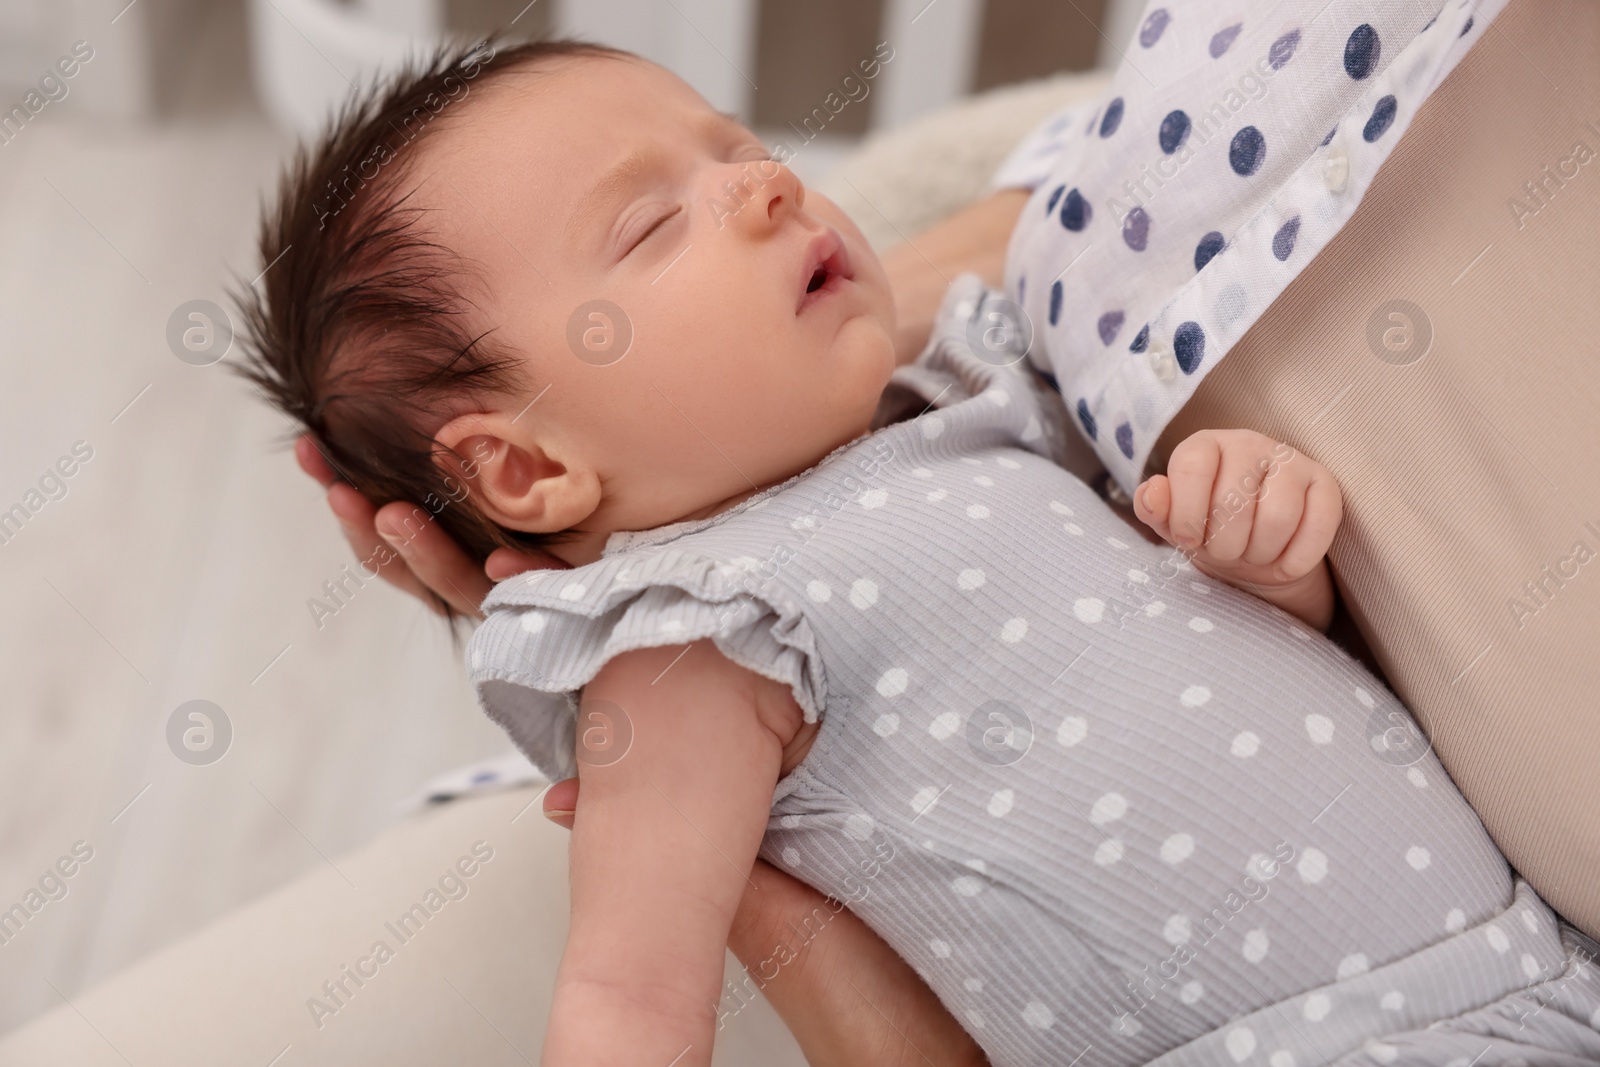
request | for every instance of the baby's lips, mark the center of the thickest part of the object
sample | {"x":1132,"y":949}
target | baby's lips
{"x":839,"y":262}
{"x":827,"y":251}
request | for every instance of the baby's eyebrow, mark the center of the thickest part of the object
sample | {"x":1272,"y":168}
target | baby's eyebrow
{"x":625,"y":174}
{"x":615,"y":181}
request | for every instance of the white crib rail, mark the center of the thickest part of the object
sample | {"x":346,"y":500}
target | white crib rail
{"x":711,"y":44}
{"x":935,"y":57}
{"x":307,"y":54}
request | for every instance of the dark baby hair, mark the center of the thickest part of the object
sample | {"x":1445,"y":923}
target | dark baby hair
{"x":357,"y":327}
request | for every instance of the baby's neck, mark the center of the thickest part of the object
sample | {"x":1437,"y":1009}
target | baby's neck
{"x":588,"y":546}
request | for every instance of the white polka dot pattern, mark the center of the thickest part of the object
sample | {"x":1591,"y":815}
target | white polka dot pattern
{"x":1029,"y":755}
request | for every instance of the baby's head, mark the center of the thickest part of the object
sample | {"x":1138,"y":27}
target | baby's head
{"x":429,"y":311}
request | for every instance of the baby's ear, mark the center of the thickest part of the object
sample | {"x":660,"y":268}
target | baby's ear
{"x":514,"y":479}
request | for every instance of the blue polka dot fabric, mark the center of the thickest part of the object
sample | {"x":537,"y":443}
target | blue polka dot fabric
{"x":1235,"y":140}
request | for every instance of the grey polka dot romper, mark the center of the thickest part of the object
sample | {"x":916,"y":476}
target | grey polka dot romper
{"x":1112,"y":811}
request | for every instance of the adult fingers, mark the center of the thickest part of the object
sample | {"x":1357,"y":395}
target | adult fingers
{"x":400,"y":541}
{"x":561,"y":802}
{"x":312,"y":461}
{"x":434,"y":557}
{"x":506,"y":563}
{"x":356,"y":514}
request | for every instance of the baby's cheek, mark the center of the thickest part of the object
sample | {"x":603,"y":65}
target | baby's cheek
{"x":862,"y":361}
{"x":879,"y":352}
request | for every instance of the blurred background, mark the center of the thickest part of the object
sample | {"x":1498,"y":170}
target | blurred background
{"x":179,"y":558}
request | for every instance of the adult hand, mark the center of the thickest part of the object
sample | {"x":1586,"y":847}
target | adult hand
{"x":408,"y":549}
{"x":921,"y":269}
{"x":852,"y":1002}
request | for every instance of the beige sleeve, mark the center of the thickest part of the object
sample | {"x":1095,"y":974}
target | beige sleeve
{"x":470,"y":983}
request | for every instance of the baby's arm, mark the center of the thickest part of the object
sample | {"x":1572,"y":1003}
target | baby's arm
{"x":662,"y":845}
{"x":1252,"y":512}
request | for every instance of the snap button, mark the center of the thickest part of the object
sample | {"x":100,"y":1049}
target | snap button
{"x":1161,"y":360}
{"x":1335,"y":169}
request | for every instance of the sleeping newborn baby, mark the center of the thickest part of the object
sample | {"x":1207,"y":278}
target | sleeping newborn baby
{"x":1113,"y":801}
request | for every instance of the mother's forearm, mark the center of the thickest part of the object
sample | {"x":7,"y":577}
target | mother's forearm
{"x":921,"y":269}
{"x":848,"y":998}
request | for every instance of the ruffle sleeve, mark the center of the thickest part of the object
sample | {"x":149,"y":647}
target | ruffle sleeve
{"x":547,"y":634}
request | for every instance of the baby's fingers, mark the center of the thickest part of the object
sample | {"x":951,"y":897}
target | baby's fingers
{"x":1152,"y":503}
{"x":1192,"y":472}
{"x":1277,"y":517}
{"x":1319,"y":521}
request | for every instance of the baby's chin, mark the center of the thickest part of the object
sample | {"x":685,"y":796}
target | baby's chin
{"x":870,"y":361}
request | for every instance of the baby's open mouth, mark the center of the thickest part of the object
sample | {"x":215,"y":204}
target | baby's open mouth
{"x":826,"y":266}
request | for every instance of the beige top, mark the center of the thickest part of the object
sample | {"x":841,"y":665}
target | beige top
{"x":1464,"y":433}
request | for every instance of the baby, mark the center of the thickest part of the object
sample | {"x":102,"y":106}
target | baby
{"x":847,"y":617}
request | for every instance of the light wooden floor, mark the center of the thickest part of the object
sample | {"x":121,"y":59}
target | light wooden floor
{"x":177,"y":566}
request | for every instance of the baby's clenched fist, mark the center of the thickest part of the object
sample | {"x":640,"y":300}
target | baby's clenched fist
{"x":1252,"y":512}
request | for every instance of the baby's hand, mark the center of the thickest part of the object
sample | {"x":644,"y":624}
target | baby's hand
{"x":1252,"y":512}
